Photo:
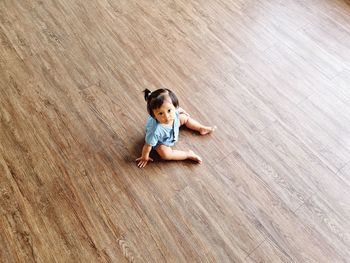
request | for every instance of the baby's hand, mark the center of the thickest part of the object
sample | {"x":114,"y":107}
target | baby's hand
{"x":142,"y":162}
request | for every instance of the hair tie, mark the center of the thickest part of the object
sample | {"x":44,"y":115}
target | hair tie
{"x":147,"y":94}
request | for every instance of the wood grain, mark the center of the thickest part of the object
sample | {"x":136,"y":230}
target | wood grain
{"x":272,"y":75}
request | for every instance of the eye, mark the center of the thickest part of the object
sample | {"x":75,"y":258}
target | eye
{"x":169,"y":110}
{"x":161,"y":113}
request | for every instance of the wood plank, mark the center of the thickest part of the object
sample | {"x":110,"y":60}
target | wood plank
{"x":272,"y":75}
{"x":317,"y":217}
{"x":331,"y":115}
{"x":339,"y":86}
{"x":303,"y":126}
{"x":286,"y":157}
{"x":269,"y":252}
{"x":345,"y":173}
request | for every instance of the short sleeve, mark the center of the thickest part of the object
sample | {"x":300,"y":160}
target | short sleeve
{"x":151,"y":138}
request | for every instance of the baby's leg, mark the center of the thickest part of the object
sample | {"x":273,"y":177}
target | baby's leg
{"x":166,"y":153}
{"x":195,"y":125}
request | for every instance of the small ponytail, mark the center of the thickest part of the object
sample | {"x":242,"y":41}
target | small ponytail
{"x":147,"y":94}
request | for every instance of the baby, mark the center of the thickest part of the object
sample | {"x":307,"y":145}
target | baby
{"x":162,"y":128}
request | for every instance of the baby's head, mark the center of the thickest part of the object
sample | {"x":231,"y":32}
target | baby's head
{"x":161,"y":104}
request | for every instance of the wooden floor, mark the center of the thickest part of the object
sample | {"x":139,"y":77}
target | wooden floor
{"x":273,"y":75}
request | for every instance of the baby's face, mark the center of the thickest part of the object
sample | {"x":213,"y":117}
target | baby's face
{"x":165,"y":114}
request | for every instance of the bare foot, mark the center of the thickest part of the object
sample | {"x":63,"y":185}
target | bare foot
{"x":206,"y":130}
{"x":194,"y":157}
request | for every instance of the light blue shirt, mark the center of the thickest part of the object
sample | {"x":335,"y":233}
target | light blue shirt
{"x":157,"y":133}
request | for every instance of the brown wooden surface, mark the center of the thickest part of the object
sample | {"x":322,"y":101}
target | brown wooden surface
{"x":273,"y":75}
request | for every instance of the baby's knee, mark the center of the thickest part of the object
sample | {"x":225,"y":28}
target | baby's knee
{"x":165,"y":153}
{"x":183,"y":119}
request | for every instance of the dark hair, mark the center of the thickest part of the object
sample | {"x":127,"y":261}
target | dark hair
{"x":156,"y":99}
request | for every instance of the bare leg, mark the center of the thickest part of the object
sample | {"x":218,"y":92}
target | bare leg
{"x":195,"y":125}
{"x":166,"y":153}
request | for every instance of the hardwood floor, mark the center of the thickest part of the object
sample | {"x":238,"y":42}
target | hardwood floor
{"x":273,"y":75}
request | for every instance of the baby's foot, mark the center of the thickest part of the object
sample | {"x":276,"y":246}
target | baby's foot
{"x":206,"y":130}
{"x":194,"y":157}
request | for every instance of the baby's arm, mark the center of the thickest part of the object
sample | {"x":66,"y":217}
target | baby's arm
{"x":143,"y":160}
